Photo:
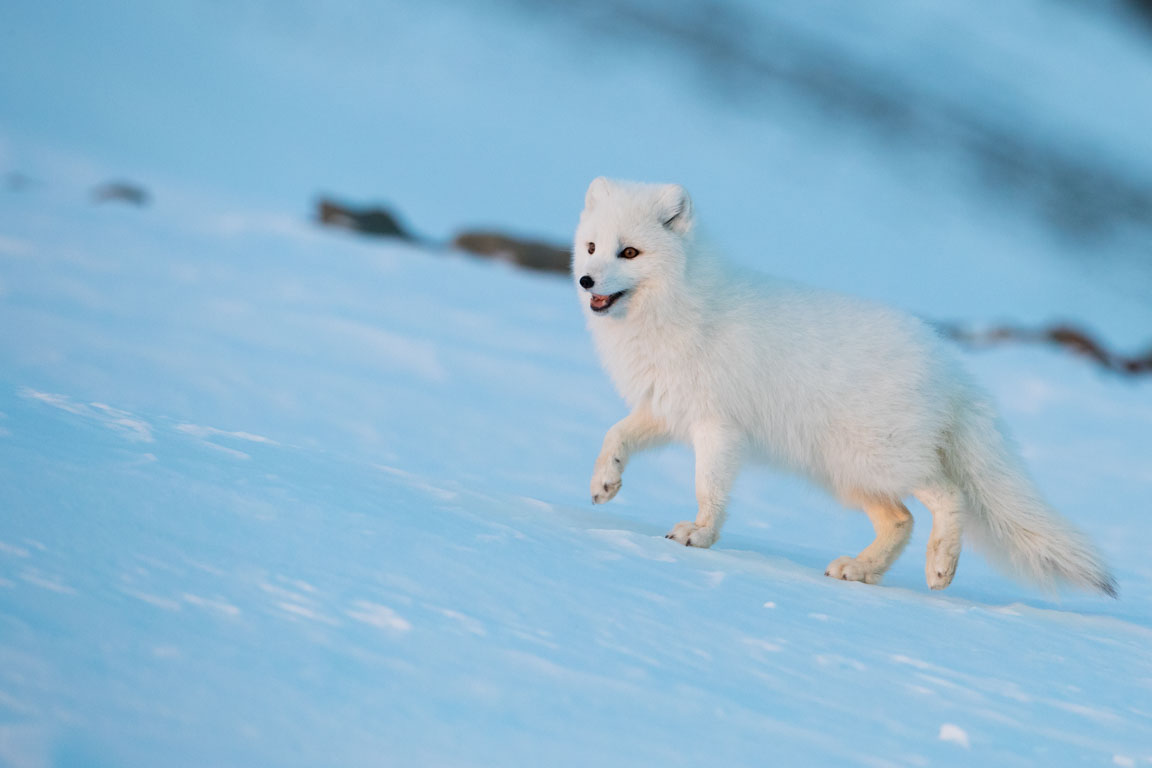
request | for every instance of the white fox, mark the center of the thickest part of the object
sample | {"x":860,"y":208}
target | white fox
{"x":864,"y":400}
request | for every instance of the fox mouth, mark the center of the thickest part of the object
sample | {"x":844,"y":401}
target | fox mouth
{"x":602,"y":303}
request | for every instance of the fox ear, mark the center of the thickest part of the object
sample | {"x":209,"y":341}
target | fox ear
{"x":675,"y":209}
{"x":597,"y":191}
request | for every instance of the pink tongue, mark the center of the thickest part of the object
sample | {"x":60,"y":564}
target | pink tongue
{"x":598,"y":300}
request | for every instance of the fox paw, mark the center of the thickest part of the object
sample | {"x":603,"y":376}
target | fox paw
{"x":854,"y":569}
{"x":940,"y":566}
{"x":606,"y":481}
{"x":691,"y":535}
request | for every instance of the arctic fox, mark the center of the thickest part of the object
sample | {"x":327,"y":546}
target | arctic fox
{"x":864,"y":400}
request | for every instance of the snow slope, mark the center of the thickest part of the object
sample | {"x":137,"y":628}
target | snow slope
{"x":278,"y":497}
{"x":271,"y":495}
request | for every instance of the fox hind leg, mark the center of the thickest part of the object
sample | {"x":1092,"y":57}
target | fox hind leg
{"x":946,"y":503}
{"x":893,"y":524}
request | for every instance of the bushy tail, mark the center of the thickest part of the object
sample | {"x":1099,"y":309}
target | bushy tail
{"x":1007,"y":519}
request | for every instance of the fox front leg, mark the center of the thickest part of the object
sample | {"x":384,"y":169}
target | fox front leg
{"x":718,"y":456}
{"x":635,"y":432}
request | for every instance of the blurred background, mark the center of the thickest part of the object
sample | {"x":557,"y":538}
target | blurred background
{"x":972,"y":146}
{"x":291,"y":473}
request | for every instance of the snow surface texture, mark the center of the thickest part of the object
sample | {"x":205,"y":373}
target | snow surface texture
{"x":275,"y":496}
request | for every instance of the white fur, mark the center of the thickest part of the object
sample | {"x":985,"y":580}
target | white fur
{"x":864,"y":400}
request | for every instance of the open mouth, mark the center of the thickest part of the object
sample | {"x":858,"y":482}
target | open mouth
{"x":602,"y":303}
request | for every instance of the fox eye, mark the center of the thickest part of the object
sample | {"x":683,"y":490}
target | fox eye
{"x":591,"y":247}
{"x":628,"y":253}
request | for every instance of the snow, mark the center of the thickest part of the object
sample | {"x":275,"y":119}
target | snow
{"x":955,"y":734}
{"x":274,"y":495}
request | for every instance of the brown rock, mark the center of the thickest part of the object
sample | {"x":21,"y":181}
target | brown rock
{"x":530,"y":254}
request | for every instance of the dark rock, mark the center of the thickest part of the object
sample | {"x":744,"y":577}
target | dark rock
{"x":1074,"y":340}
{"x":16,"y":181}
{"x":121,"y":191}
{"x":378,"y":222}
{"x":530,"y":254}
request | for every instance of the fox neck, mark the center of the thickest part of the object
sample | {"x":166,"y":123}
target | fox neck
{"x":682,"y":299}
{"x":665,"y":321}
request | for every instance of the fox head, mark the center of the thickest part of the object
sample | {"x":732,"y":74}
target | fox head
{"x":632,"y":238}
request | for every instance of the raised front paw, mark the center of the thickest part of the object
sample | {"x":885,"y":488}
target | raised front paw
{"x":691,"y":535}
{"x":854,"y":569}
{"x":606,"y":480}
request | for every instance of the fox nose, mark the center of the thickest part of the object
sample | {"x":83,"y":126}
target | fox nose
{"x":587,"y":282}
